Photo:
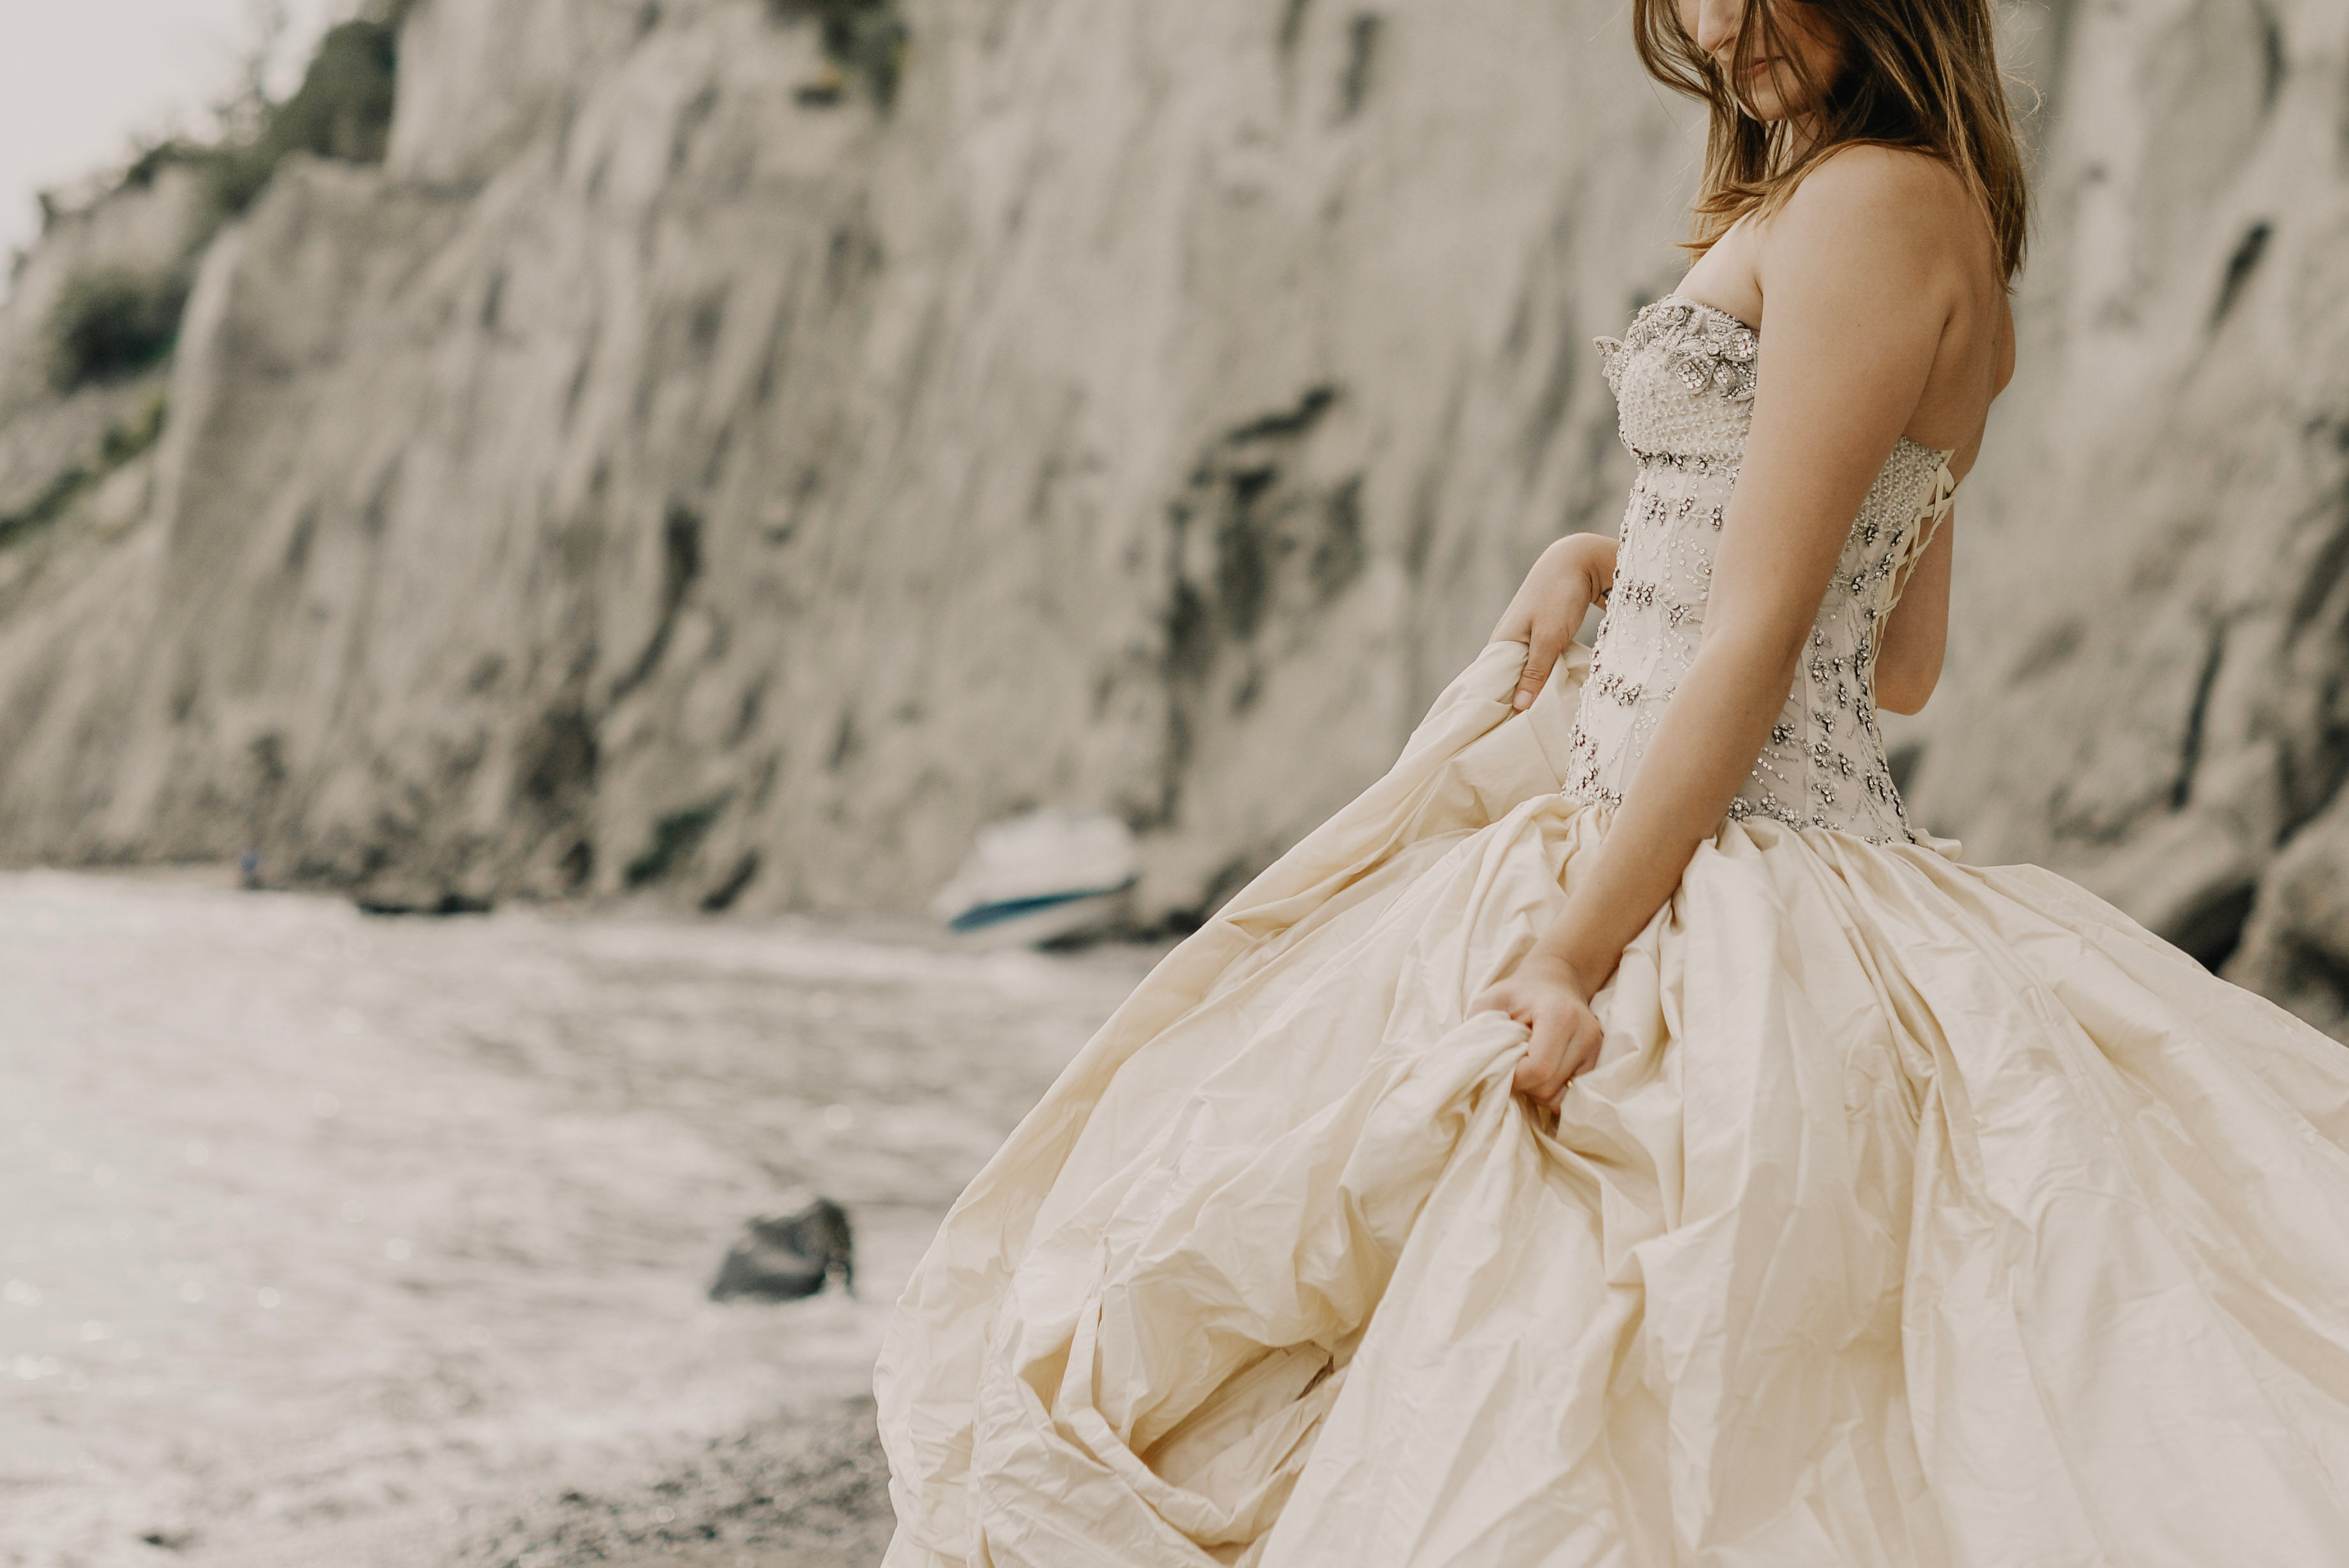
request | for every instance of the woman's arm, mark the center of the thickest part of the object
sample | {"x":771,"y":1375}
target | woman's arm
{"x":1859,"y":284}
{"x":1573,"y":574}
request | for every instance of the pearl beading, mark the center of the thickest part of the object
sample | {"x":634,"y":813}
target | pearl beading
{"x":1684,"y":376}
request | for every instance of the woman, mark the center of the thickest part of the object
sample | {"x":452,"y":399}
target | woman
{"x":1618,"y":1138}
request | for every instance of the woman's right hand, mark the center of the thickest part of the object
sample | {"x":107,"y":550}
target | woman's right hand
{"x":1572,"y":575}
{"x":1546,"y":994}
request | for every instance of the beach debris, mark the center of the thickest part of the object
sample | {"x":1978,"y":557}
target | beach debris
{"x":788,"y":1256}
{"x":1046,"y":876}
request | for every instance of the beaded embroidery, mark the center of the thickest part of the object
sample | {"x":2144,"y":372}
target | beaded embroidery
{"x":1683,"y":377}
{"x":1706,"y":349}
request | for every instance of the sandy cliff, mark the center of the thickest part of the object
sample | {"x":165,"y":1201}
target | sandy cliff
{"x":670,"y":468}
{"x":2147,"y":679}
{"x":703,"y":460}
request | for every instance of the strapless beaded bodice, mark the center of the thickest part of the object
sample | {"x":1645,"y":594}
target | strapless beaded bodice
{"x":1683,"y":376}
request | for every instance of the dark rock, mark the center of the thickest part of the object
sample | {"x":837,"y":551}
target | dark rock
{"x":447,"y":903}
{"x":789,"y":1256}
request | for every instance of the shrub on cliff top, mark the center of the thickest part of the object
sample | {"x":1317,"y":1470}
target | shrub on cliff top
{"x":111,"y":322}
{"x":342,"y":110}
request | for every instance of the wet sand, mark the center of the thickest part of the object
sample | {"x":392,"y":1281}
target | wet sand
{"x":338,"y":1240}
{"x":808,"y":1488}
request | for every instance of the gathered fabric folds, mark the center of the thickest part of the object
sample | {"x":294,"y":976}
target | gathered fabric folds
{"x":1914,"y":1214}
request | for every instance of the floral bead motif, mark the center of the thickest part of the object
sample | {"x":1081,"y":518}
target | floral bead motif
{"x":1685,"y":377}
{"x":1706,"y":349}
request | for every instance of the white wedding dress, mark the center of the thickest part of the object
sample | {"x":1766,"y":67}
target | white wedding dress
{"x":1914,"y":1214}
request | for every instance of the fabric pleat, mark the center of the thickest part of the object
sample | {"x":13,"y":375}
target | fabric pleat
{"x":1914,"y":1214}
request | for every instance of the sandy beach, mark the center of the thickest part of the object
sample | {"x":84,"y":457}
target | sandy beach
{"x":362,"y":1241}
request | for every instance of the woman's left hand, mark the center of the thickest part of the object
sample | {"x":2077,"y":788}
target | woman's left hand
{"x":1572,"y":575}
{"x":1545,"y":996}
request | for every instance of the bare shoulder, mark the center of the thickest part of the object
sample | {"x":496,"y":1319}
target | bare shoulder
{"x":1889,"y":180}
{"x":1882,"y":211}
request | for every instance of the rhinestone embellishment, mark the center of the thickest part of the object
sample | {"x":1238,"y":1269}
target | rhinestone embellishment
{"x":1685,"y":377}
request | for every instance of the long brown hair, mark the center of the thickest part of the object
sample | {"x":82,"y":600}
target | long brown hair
{"x":1917,"y":74}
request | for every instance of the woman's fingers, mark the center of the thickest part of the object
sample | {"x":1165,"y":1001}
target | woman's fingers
{"x":1548,"y":610}
{"x":1533,"y":1080}
{"x":1563,"y":1039}
{"x":1584,"y":1053}
{"x":1565,"y":1043}
{"x":1543,"y":1072}
{"x":1542,"y":650}
{"x":1535,"y":1067}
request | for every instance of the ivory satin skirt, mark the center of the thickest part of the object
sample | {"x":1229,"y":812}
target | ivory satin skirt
{"x":1914,"y":1214}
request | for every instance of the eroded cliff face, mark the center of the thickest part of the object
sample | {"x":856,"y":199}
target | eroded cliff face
{"x":2152,"y":621}
{"x":670,"y":470}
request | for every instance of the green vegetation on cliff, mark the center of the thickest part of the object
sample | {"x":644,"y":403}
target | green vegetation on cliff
{"x":342,"y":110}
{"x":112,"y":322}
{"x":121,"y":443}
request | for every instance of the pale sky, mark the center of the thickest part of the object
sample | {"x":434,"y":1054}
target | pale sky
{"x":80,"y":79}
